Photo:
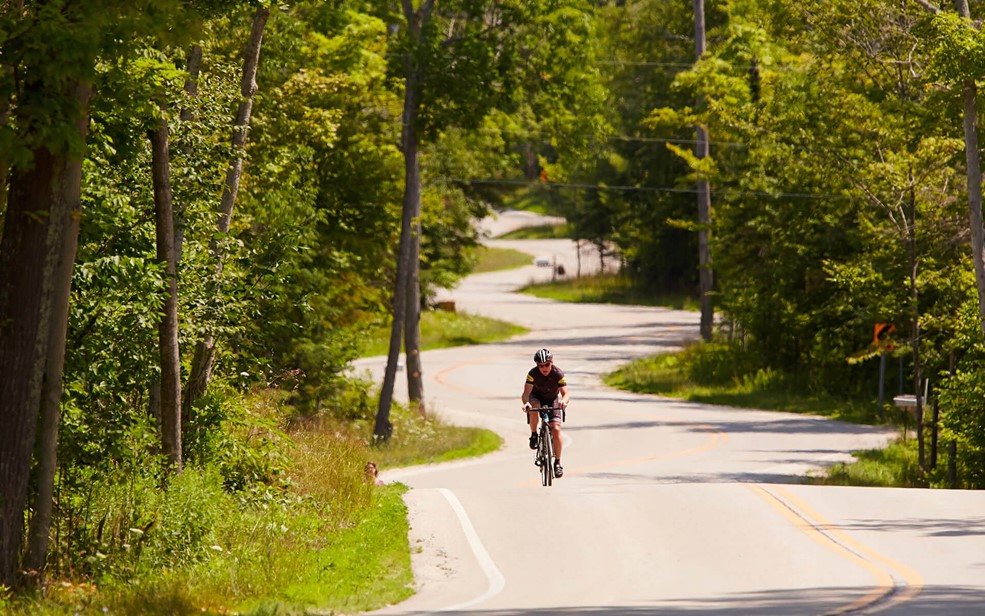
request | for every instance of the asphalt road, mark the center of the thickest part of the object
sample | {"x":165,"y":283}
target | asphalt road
{"x":665,"y":507}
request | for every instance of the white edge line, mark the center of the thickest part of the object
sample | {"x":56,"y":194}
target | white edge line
{"x":496,"y":580}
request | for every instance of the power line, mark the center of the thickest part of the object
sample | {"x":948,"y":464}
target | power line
{"x":526,"y":135}
{"x":661,"y":64}
{"x":664,"y":189}
{"x":684,"y":141}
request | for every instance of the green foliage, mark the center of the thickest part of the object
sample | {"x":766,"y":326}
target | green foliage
{"x":961,"y":396}
{"x":121,"y":523}
{"x":361,"y":568}
{"x":247,"y":449}
{"x":896,"y":466}
{"x":958,"y":52}
{"x":835,"y":172}
{"x":318,"y":216}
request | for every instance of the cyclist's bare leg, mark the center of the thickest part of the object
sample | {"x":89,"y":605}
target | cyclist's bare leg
{"x":532,"y":417}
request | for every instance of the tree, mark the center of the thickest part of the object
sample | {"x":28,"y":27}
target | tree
{"x":44,"y":138}
{"x":705,"y":273}
{"x":168,"y":328}
{"x":957,"y":46}
{"x":201,"y":370}
{"x":457,"y":62}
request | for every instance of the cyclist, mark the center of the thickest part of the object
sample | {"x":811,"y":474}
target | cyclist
{"x":546,"y":386}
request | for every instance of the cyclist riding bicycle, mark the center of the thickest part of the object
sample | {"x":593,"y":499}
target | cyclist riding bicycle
{"x":546,"y":386}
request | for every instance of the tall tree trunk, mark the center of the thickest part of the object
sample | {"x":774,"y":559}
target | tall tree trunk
{"x":969,"y":96}
{"x":705,"y":274}
{"x":51,"y":393}
{"x":193,"y":67}
{"x":41,"y":201}
{"x":406,"y":254}
{"x":201,"y":370}
{"x":915,"y":314}
{"x":412,"y":187}
{"x":167,"y":331}
{"x":412,"y":328}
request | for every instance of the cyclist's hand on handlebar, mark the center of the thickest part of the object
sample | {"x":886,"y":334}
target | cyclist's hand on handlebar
{"x":527,"y":406}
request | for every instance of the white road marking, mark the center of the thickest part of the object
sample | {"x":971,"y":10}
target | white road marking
{"x":496,"y":580}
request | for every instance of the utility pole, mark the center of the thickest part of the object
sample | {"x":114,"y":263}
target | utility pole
{"x":706,"y":280}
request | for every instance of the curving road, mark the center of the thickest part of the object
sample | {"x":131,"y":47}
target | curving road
{"x":666,"y":507}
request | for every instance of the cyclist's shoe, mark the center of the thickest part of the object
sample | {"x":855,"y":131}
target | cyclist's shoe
{"x":533,"y":441}
{"x":558,"y":469}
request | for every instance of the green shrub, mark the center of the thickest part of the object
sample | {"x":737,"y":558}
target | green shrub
{"x":962,"y":401}
{"x":240,"y":436}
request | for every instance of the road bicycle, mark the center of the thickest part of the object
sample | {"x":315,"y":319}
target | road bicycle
{"x":544,"y":455}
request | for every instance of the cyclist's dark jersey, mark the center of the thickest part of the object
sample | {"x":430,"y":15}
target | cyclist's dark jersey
{"x":546,"y":386}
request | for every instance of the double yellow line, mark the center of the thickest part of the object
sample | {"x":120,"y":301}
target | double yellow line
{"x":896,"y":583}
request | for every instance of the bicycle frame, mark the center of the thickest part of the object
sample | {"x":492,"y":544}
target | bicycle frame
{"x":544,"y":455}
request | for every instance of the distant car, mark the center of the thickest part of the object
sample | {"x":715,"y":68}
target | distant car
{"x":542,"y":261}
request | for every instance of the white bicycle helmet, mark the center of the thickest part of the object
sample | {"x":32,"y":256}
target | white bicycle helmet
{"x":543,"y":356}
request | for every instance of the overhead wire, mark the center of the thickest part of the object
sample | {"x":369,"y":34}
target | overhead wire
{"x":666,"y":189}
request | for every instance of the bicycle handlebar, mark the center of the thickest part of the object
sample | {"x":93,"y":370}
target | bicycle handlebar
{"x":545,"y":410}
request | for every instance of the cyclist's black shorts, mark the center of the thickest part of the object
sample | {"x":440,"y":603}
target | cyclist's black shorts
{"x":557,"y":415}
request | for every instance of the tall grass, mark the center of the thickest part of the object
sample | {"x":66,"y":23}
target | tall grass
{"x":421,"y":440}
{"x":321,"y":538}
{"x":895,"y":466}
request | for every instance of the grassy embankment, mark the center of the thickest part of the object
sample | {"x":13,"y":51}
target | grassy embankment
{"x":608,"y":289}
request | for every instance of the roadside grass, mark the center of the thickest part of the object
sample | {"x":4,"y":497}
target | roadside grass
{"x":714,"y":374}
{"x":608,"y":289}
{"x":326,"y":541}
{"x":494,"y":259}
{"x":426,"y":440}
{"x":540,"y":232}
{"x":442,"y":329}
{"x":364,"y":567}
{"x":896,"y":466}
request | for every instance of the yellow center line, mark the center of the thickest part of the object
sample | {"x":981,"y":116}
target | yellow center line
{"x":808,"y":520}
{"x":913,"y":580}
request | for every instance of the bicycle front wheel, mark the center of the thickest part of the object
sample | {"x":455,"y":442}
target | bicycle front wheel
{"x":546,"y":470}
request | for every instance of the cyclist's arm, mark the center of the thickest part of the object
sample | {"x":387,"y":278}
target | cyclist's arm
{"x":527,"y":390}
{"x":563,"y":390}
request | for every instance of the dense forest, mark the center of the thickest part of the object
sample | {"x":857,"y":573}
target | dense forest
{"x":206,"y":198}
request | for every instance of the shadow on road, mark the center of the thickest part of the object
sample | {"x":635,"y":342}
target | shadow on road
{"x":949,"y":600}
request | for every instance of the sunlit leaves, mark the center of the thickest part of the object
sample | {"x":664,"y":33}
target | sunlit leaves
{"x":958,"y":52}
